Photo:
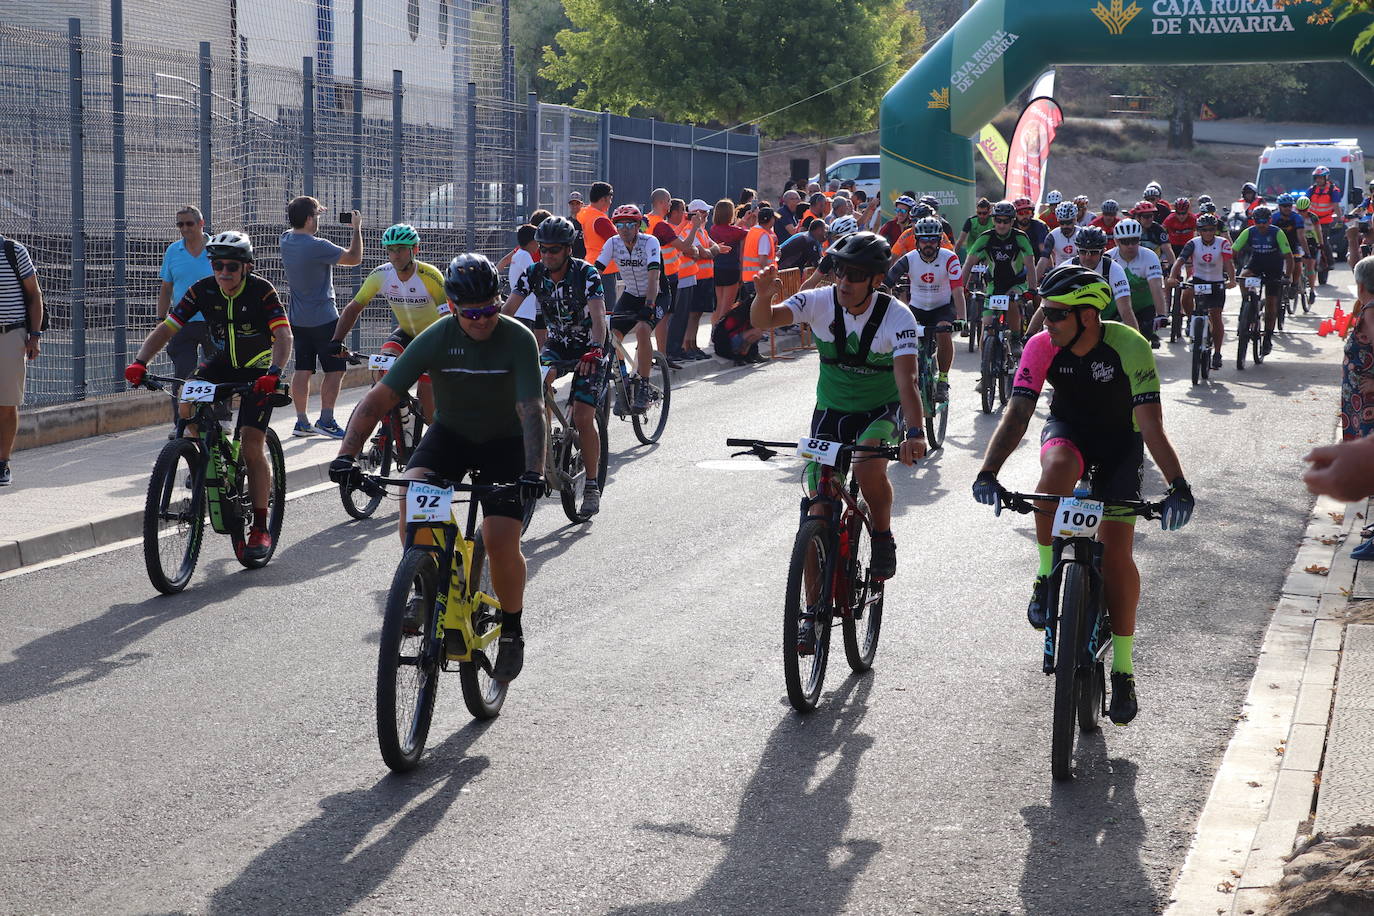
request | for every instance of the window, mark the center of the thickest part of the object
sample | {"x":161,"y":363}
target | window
{"x":413,"y":18}
{"x":847,"y":172}
{"x":443,"y":23}
{"x":868,"y":171}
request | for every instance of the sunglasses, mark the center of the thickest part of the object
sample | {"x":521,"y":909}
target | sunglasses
{"x":485,"y":311}
{"x":903,"y":209}
{"x":626,"y":224}
{"x":184,"y":224}
{"x":1001,"y":219}
{"x":1261,"y":220}
{"x":927,"y":240}
{"x":226,"y":267}
{"x":1128,"y":241}
{"x":1056,"y":315}
{"x":854,"y":274}
{"x":1090,"y":251}
{"x":1024,"y":212}
{"x":551,"y":249}
{"x":396,"y":249}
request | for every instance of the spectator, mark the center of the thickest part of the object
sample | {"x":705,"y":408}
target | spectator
{"x":840,"y":206}
{"x":820,"y":206}
{"x":786,"y":223}
{"x":730,"y":238}
{"x":526,"y":253}
{"x":666,"y":215}
{"x":537,"y":217}
{"x":812,"y":188}
{"x":803,"y":249}
{"x":849,"y":184}
{"x":687,"y":270}
{"x":747,"y":196}
{"x":308,"y":262}
{"x":21,"y":330}
{"x":704,"y":293}
{"x":183,"y":263}
{"x":832,"y":187}
{"x":595,"y":220}
{"x":746,"y":216}
{"x":575,"y":205}
{"x":760,"y":250}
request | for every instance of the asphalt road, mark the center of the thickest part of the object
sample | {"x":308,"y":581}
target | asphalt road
{"x":214,"y":752}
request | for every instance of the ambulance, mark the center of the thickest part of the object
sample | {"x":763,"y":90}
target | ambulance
{"x":1287,"y":167}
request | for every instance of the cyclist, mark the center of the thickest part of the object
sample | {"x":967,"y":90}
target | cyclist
{"x":1010,"y":252}
{"x":1152,"y":234}
{"x":906,"y":243}
{"x":490,"y":422}
{"x":640,"y":308}
{"x":1105,"y":410}
{"x":974,"y":226}
{"x":251,"y":339}
{"x":1092,"y":242}
{"x":1155,"y":195}
{"x":1207,"y":258}
{"x":1111,"y":215}
{"x":1270,"y":259}
{"x":936,"y":293}
{"x":934,"y":204}
{"x":866,"y":389}
{"x":1145,"y":275}
{"x":1085,"y":216}
{"x":1035,"y":230}
{"x":1312,"y":244}
{"x":415,"y":292}
{"x":1181,"y":225}
{"x":1294,"y":226}
{"x":573,"y":303}
{"x":1359,"y":233}
{"x":1048,"y":215}
{"x":1060,"y":245}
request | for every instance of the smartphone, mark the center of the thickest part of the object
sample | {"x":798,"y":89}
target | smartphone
{"x":346,"y":217}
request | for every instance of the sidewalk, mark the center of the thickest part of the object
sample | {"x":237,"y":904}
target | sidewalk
{"x":89,"y":493}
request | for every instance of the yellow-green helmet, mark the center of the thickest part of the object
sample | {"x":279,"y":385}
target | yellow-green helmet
{"x":400,"y":234}
{"x":1304,"y":202}
{"x":1075,"y":286}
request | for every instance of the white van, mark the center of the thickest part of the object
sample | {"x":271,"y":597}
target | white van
{"x":862,"y":170}
{"x":1286,"y":167}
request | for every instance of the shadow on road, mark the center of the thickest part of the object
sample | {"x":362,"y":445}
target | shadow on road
{"x":788,"y":852}
{"x":1085,"y":844}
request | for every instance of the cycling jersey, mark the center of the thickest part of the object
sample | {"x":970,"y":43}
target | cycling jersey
{"x":1116,"y":279}
{"x":477,"y":383}
{"x":906,"y":243}
{"x":932,"y":282}
{"x":634,"y":261}
{"x":1180,"y":228}
{"x":417,"y":303}
{"x":1206,"y":262}
{"x":1293,"y":226}
{"x":1035,"y":230}
{"x":1267,"y":248}
{"x":854,"y":388}
{"x":974,"y":227}
{"x":1153,"y":237}
{"x":1139,"y":273}
{"x":1085,"y":218}
{"x":241,"y":325}
{"x":1107,"y":227}
{"x":1098,"y":390}
{"x":1008,"y":254}
{"x":1059,"y":247}
{"x":564,"y":302}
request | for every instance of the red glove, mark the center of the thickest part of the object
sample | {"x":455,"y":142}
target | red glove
{"x":134,"y":373}
{"x":266,"y":384}
{"x":593,"y":355}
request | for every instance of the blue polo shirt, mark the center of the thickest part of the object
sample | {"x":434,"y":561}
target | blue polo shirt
{"x":309,"y":264}
{"x":180,"y":269}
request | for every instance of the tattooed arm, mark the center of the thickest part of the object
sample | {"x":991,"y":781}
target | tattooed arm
{"x":531,"y":414}
{"x":370,"y":410}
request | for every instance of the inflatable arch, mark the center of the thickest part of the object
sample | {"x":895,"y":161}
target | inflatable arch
{"x":999,"y":47}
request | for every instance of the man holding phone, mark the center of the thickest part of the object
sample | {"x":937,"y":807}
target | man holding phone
{"x":309,"y":265}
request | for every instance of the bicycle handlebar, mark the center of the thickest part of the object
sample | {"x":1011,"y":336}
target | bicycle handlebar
{"x":160,"y":383}
{"x":764,"y":449}
{"x":437,"y":480}
{"x":1024,"y":503}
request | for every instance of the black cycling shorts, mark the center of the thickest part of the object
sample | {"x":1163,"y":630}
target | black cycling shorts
{"x":883,"y":424}
{"x":586,"y":389}
{"x":1215,"y":299}
{"x":495,"y":461}
{"x":930,"y":318}
{"x":1114,"y":462}
{"x":631,"y":310}
{"x":255,"y":409}
{"x":1274,"y":277}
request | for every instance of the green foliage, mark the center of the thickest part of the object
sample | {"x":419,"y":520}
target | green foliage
{"x":1236,"y":90}
{"x":699,"y":60}
{"x":533,"y":25}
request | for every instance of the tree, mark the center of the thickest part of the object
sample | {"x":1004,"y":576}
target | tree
{"x":1236,"y":90}
{"x":696,"y":60}
{"x":533,"y":25}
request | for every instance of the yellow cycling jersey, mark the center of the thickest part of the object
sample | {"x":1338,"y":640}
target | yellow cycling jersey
{"x":417,"y":303}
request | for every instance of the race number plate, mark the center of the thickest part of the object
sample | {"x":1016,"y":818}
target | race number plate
{"x":999,"y":303}
{"x":380,"y":361}
{"x":980,"y":268}
{"x":1202,"y":289}
{"x":1077,"y":518}
{"x":818,"y":450}
{"x":197,"y":392}
{"x":427,"y":503}
{"x":1254,"y":282}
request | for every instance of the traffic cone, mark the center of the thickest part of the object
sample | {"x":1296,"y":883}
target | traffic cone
{"x":1324,"y":328}
{"x":1342,"y":324}
{"x":1336,"y":315}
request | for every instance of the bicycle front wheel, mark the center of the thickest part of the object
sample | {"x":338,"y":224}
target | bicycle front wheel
{"x":374,"y":462}
{"x":992,"y":360}
{"x":408,"y":661}
{"x":482,"y":695}
{"x":807,"y":593}
{"x":1199,"y":356}
{"x":174,"y":515}
{"x":1073,"y":607}
{"x":1243,"y":331}
{"x":657,"y":392}
{"x":864,"y":619}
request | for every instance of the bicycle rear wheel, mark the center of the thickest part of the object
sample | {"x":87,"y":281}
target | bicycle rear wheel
{"x":375,"y":461}
{"x":276,"y":504}
{"x":649,"y":424}
{"x":991,"y":362}
{"x":482,"y":695}
{"x":1256,"y":334}
{"x":1073,"y":606}
{"x":1175,"y":314}
{"x":805,"y":674}
{"x":174,"y":515}
{"x":408,"y":661}
{"x":1006,"y":375}
{"x":862,"y":624}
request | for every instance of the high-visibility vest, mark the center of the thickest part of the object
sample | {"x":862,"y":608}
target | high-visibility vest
{"x":752,"y":261}
{"x":687,"y":267}
{"x":1323,"y":202}
{"x":706,"y":267}
{"x":587,"y":218}
{"x":671,"y":256}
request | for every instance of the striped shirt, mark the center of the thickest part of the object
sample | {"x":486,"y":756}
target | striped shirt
{"x":12,"y":306}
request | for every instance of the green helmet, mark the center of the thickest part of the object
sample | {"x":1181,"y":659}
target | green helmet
{"x":400,"y":234}
{"x":1304,"y":202}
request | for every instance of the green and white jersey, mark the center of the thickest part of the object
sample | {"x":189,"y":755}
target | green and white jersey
{"x":855,"y":388}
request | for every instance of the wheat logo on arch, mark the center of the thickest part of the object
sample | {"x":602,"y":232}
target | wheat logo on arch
{"x":1114,"y":16}
{"x":939,"y":98}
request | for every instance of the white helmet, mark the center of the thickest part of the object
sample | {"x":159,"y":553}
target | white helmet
{"x":845,"y":225}
{"x":1066,"y":211}
{"x":928,"y":227}
{"x":1053,"y":198}
{"x":231,"y":246}
{"x":1126,"y":230}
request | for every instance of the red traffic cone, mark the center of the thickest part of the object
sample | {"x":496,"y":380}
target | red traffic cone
{"x":1342,"y":324}
{"x":1325,"y":327}
{"x":1336,"y":315}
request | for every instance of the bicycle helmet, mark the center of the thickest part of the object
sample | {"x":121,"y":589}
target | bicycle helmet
{"x":1261,"y":214}
{"x":1320,"y":171}
{"x":1207,"y":221}
{"x":1081,"y":199}
{"x":1066,"y":212}
{"x":1004,"y":210}
{"x":904,"y":201}
{"x":556,"y":230}
{"x":1249,"y":186}
{"x":1022,"y":203}
{"x":230,"y":246}
{"x":1286,"y":200}
{"x":400,"y":234}
{"x":1143,"y":208}
{"x":1075,"y":286}
{"x":1093,"y":238}
{"x":928,"y":228}
{"x":1304,"y":202}
{"x":626,"y":212}
{"x":1053,"y":199}
{"x":1204,"y":199}
{"x":932,"y":203}
{"x":1183,"y":204}
{"x":1152,"y":192}
{"x":1128,"y":230}
{"x":471,"y":277}
{"x":866,"y":250}
{"x":1208,"y":207}
{"x":921,"y":211}
{"x":844,"y":226}
{"x":1109,"y":207}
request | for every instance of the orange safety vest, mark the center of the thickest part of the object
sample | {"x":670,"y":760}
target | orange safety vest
{"x":687,"y":267}
{"x":751,"y":261}
{"x":1323,"y":203}
{"x":671,"y":256}
{"x":706,"y":267}
{"x":587,"y":217}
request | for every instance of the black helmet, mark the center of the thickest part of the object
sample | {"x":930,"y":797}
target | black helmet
{"x":1091,"y":237}
{"x":1110,"y":206}
{"x":866,"y":250}
{"x":556,"y":230}
{"x":1004,"y":209}
{"x":921,"y":211}
{"x":1261,"y":213}
{"x":471,"y":278}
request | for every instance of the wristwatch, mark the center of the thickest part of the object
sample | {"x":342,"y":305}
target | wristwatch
{"x":274,"y":370}
{"x":915,"y":432}
{"x":35,"y":333}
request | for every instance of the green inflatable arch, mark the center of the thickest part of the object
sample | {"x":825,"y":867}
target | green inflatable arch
{"x":1000,"y":46}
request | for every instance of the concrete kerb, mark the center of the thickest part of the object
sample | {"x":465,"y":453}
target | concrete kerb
{"x":64,"y":540}
{"x":1262,"y":799}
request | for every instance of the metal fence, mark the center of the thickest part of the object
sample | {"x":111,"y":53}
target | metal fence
{"x":102,"y":141}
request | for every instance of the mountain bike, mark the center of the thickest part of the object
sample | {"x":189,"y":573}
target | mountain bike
{"x":1200,"y":332}
{"x":1078,"y":632}
{"x":975,"y":285}
{"x":828,"y":575}
{"x":441,"y":613}
{"x":564,"y":471}
{"x":998,"y":365}
{"x":627,"y":384}
{"x":391,"y":447}
{"x":937,"y":412}
{"x":1249,"y":326}
{"x":1176,"y":321}
{"x":192,"y":475}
